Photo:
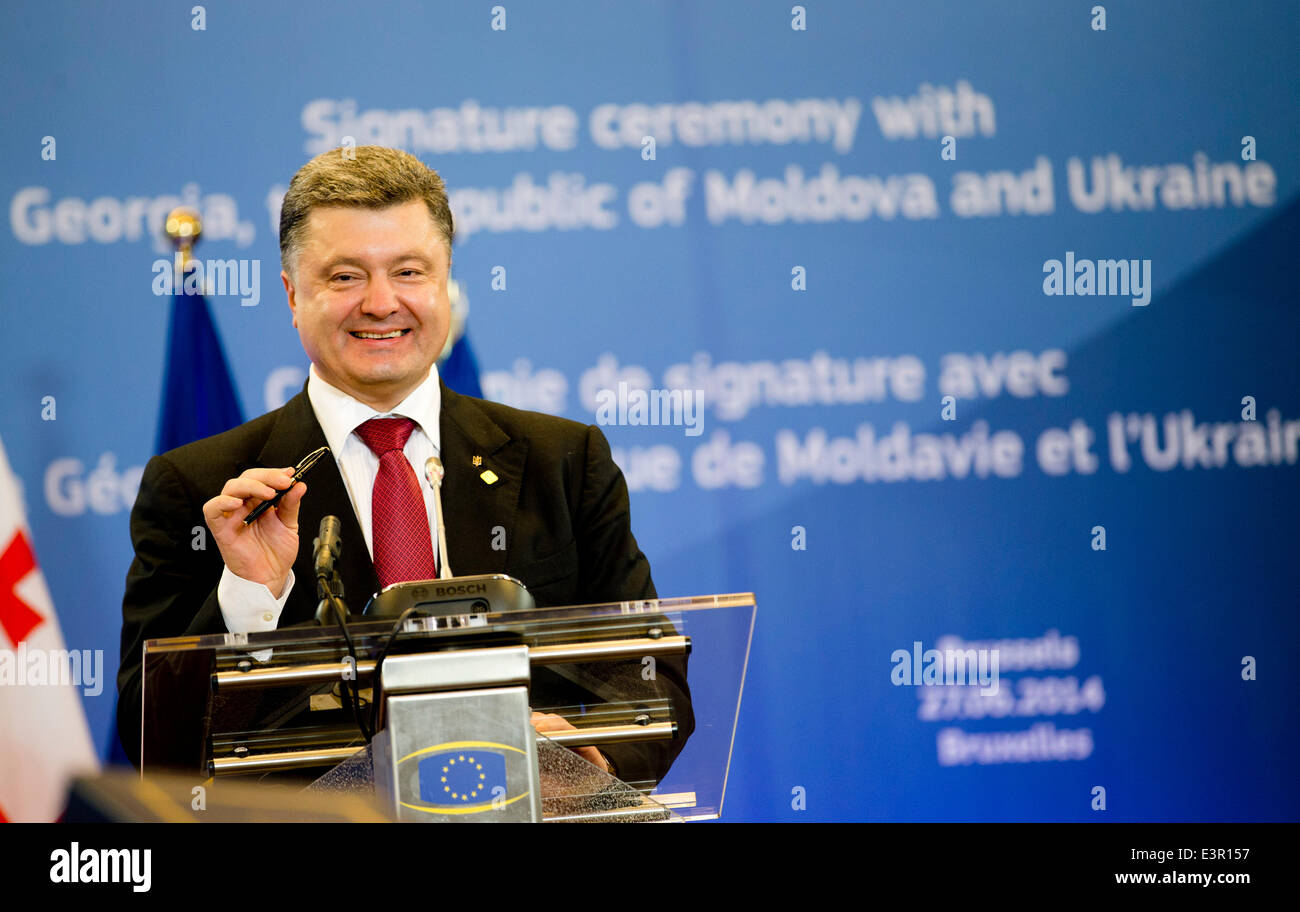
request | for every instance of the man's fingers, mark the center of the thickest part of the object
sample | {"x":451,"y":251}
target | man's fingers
{"x":592,"y":756}
{"x":253,"y":484}
{"x":225,"y":503}
{"x":277,"y":478}
{"x":545,"y":722}
{"x":242,"y":488}
{"x":260,"y":483}
{"x":287,"y":508}
{"x":216,"y":508}
{"x":550,"y":722}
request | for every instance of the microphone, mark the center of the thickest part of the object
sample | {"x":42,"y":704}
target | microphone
{"x":326,"y":547}
{"x":433,"y":474}
{"x":329,"y":588}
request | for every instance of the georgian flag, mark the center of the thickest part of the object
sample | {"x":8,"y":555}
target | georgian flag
{"x":44,"y":738}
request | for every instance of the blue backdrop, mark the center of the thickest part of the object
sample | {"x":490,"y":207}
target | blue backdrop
{"x":846,"y":215}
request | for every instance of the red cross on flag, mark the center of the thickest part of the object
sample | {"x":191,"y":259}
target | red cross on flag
{"x":44,"y":739}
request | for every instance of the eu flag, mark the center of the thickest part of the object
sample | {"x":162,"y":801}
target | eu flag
{"x":198,"y":395}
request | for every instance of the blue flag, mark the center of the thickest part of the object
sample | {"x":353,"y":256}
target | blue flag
{"x":198,"y":401}
{"x":198,"y":395}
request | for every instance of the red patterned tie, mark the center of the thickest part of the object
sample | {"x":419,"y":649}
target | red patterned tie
{"x":400,"y":532}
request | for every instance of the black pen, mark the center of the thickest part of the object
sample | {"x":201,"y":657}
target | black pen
{"x":300,"y":470}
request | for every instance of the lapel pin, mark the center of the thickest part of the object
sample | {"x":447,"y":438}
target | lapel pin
{"x":477,"y":460}
{"x":489,"y":477}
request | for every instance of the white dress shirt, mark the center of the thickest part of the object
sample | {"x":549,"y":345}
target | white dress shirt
{"x":250,"y":607}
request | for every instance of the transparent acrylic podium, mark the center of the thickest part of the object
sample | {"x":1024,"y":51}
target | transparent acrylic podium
{"x":654,"y":686}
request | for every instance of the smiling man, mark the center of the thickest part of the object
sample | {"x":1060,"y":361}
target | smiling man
{"x":365,"y":244}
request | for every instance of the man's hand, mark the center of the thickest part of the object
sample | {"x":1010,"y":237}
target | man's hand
{"x":550,"y":722}
{"x":265,"y":551}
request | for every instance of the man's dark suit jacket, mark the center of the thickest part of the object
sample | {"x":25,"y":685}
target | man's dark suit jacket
{"x":560,"y":498}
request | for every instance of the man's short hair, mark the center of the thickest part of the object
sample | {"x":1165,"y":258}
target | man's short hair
{"x":367,"y":177}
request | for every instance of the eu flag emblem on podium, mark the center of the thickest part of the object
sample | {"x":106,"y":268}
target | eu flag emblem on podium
{"x":461,"y":778}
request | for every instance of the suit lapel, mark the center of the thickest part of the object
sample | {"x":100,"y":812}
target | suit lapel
{"x":297,"y":433}
{"x":478,"y":514}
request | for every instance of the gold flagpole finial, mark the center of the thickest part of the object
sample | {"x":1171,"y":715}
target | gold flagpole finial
{"x":183,"y":227}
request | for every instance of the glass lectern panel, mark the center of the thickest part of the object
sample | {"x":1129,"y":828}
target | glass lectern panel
{"x":653,"y":686}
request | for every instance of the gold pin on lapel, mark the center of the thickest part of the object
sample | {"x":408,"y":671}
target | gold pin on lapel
{"x":477,"y":460}
{"x":489,"y":477}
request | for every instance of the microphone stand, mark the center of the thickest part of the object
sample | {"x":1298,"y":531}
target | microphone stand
{"x":329,"y":589}
{"x":433,"y":473}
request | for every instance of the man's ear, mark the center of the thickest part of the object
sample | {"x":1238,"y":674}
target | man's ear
{"x":290,"y":291}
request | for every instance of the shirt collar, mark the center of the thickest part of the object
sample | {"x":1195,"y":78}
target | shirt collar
{"x":339,"y":414}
